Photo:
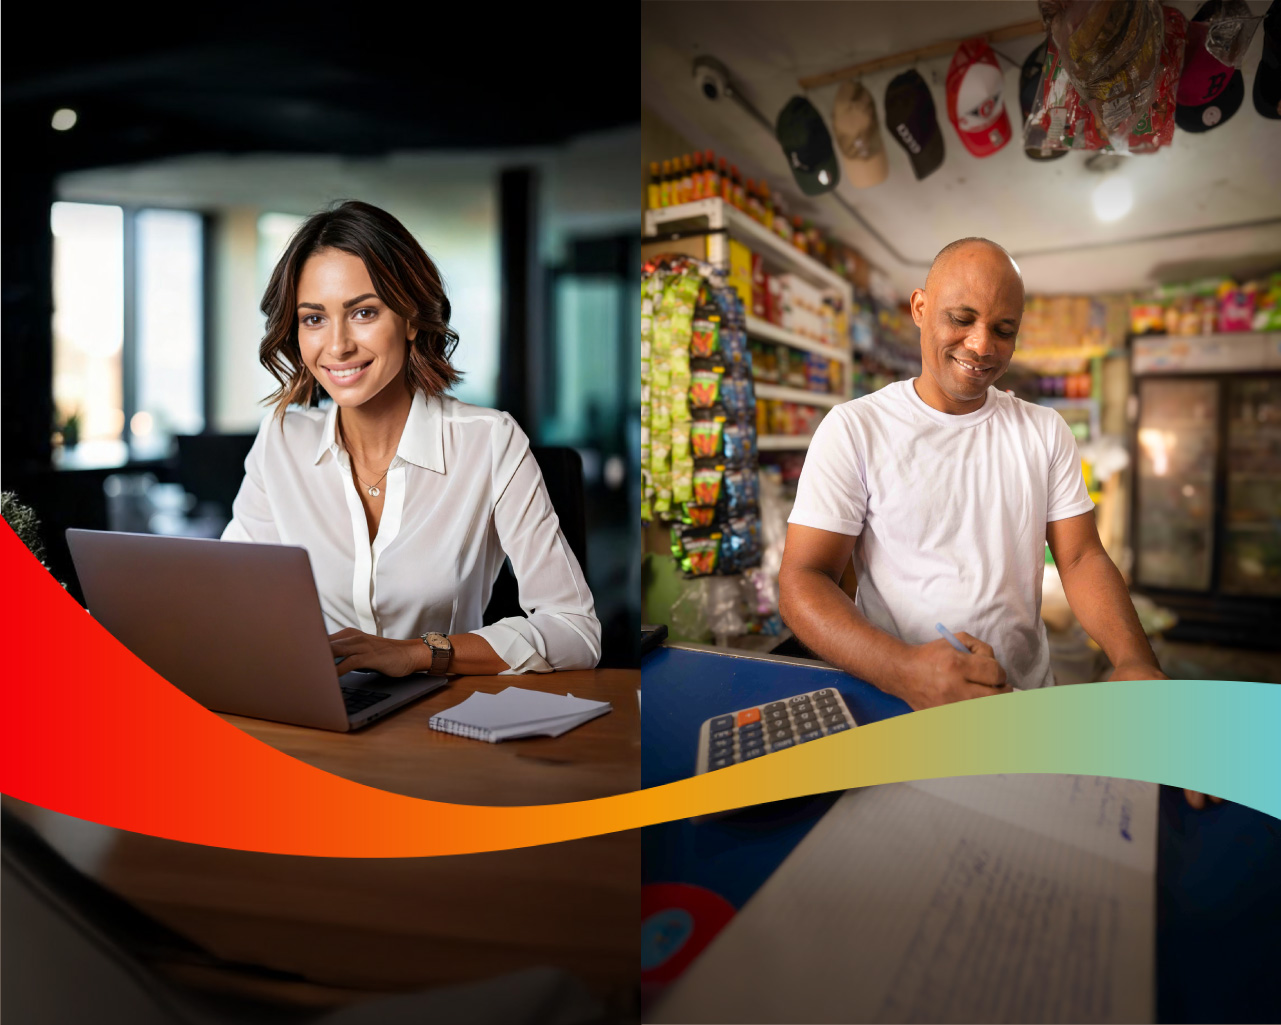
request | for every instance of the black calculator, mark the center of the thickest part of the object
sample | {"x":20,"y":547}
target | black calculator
{"x":751,"y":732}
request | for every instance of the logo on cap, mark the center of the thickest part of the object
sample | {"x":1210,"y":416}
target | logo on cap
{"x":906,"y":136}
{"x":1211,"y":116}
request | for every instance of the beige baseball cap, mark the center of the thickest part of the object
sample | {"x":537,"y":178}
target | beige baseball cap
{"x":858,"y":136}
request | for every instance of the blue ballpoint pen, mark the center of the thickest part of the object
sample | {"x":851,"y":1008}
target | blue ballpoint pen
{"x":951,"y":638}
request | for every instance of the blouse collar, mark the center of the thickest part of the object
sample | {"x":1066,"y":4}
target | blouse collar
{"x":422,"y":442}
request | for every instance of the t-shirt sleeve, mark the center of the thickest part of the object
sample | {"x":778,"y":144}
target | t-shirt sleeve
{"x":1066,"y":487}
{"x":831,"y":494}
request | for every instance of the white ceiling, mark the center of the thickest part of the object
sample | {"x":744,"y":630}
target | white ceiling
{"x":1231,"y":175}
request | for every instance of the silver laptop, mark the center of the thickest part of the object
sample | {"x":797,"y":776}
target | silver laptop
{"x":235,"y":626}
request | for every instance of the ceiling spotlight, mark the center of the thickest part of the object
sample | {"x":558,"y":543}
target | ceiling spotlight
{"x":63,"y":119}
{"x":1112,"y":198}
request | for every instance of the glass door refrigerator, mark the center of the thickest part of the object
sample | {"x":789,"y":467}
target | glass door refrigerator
{"x":1206,"y":527}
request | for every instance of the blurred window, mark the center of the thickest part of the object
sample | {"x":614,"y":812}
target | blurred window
{"x":128,"y":328}
{"x":88,"y":325}
{"x":170,"y":375}
{"x":274,"y":232}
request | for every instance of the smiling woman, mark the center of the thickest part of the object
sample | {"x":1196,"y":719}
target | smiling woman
{"x":406,"y":499}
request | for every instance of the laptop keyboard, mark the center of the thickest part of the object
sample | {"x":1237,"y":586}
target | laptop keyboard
{"x":357,"y":699}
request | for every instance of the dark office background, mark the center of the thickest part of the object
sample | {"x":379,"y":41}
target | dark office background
{"x":192,"y":155}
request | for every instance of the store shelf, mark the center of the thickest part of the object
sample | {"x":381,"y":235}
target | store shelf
{"x":764,"y":390}
{"x":1241,"y":351}
{"x":1058,"y":354}
{"x":783,"y":442}
{"x":720,"y":214}
{"x":769,"y":332}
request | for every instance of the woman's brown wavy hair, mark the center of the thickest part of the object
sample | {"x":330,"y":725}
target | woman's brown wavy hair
{"x":404,"y":278}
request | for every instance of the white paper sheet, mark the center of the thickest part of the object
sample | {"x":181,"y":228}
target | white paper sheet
{"x":1019,"y":898}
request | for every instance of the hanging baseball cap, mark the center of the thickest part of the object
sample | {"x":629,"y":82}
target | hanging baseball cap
{"x":1029,"y":97}
{"x":1209,"y":92}
{"x":858,"y":136}
{"x":808,"y":147}
{"x":974,"y":104}
{"x":909,"y":118}
{"x":1267,"y":80}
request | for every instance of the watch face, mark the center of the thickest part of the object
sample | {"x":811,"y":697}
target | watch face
{"x":438,"y":640}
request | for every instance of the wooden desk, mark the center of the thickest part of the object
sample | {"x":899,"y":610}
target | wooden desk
{"x":355,"y":926}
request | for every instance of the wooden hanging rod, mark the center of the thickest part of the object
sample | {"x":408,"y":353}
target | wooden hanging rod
{"x":1023,"y":28}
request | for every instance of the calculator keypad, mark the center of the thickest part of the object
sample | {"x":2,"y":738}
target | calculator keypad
{"x":775,"y":726}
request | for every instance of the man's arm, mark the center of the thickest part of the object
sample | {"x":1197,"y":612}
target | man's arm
{"x":1099,"y":598}
{"x":825,"y":619}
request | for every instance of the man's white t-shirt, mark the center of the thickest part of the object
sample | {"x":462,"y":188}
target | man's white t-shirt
{"x":950,"y":512}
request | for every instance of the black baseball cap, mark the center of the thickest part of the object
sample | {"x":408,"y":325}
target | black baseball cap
{"x":807,"y":144}
{"x":1267,"y":80}
{"x":1029,"y":93}
{"x":1209,"y":91}
{"x":910,"y":119}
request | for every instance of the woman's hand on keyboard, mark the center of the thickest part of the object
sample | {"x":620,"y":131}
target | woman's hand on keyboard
{"x":359,"y":650}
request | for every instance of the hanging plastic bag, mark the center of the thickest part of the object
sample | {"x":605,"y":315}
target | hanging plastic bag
{"x":1062,"y":119}
{"x":1111,"y":52}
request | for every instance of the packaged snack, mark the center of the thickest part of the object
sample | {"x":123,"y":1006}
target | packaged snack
{"x":705,"y":437}
{"x":705,"y":338}
{"x":697,"y":550}
{"x":1116,"y":87}
{"x":705,"y":388}
{"x":708,"y":484}
{"x":739,"y":443}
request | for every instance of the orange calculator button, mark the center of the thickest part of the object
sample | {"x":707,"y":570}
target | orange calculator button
{"x":749,"y":715}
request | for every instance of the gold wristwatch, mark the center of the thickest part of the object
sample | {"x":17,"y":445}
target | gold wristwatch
{"x":442,"y":652}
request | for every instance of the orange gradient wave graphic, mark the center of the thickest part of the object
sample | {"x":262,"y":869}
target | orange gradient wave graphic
{"x":91,"y":731}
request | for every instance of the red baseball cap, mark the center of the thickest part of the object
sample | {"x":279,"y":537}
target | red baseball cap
{"x":974,"y":104}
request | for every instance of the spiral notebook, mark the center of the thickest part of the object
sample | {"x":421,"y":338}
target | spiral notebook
{"x":517,"y":712}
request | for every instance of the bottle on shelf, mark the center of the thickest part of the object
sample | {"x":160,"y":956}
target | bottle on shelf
{"x":653,"y":193}
{"x":753,"y":200}
{"x":696,"y":178}
{"x":798,"y":234}
{"x":740,"y":193}
{"x":727,"y":185}
{"x":686,"y":186}
{"x":665,"y":185}
{"x":781,"y":225}
{"x":711,"y":182}
{"x":767,"y":204}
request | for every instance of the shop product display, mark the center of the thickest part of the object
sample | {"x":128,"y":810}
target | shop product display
{"x":807,"y":145}
{"x":910,"y":120}
{"x":1112,"y":54}
{"x":1138,"y":116}
{"x":974,"y":103}
{"x":1209,"y":92}
{"x":1209,"y":306}
{"x":698,"y":417}
{"x":858,"y":136}
{"x":1029,"y":92}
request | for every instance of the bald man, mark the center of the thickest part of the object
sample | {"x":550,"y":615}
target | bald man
{"x":944,"y":491}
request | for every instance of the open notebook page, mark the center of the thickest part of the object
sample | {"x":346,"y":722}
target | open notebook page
{"x":1015,"y":899}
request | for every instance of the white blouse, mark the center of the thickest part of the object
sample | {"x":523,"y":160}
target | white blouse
{"x":463,"y":490}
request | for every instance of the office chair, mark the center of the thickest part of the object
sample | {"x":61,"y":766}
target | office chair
{"x":211,"y":466}
{"x":562,"y":470}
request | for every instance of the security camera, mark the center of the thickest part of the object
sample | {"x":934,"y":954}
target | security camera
{"x":712,"y":78}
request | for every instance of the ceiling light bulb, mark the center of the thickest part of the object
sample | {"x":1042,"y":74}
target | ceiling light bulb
{"x":64,"y":118}
{"x":1113,"y":197}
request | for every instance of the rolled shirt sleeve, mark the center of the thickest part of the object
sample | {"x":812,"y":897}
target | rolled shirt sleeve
{"x":560,"y":629}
